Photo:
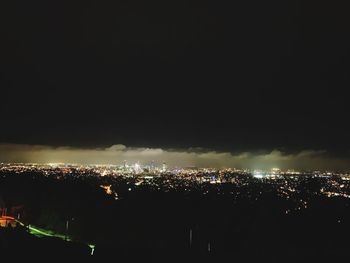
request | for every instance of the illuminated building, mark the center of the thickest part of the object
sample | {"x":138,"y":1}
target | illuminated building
{"x":125,"y":164}
{"x":276,"y":171}
{"x":164,"y":167}
{"x":258,"y":174}
{"x":7,"y":221}
{"x":137,"y":168}
{"x":107,"y":189}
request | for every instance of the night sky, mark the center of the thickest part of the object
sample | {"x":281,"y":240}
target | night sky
{"x":230,"y":76}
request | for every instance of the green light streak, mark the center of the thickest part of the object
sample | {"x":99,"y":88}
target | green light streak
{"x":40,"y":232}
{"x":43,"y":232}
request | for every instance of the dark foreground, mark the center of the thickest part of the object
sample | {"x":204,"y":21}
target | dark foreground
{"x":246,"y":220}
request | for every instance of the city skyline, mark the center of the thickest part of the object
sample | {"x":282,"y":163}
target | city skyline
{"x":118,"y":154}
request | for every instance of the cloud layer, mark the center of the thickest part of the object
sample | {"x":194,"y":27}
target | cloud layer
{"x":116,"y":154}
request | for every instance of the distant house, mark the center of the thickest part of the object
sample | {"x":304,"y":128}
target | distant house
{"x":7,"y":221}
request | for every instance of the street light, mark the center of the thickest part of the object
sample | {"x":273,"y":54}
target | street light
{"x":67,"y":227}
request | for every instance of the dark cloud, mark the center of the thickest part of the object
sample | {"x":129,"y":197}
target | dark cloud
{"x":236,"y":76}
